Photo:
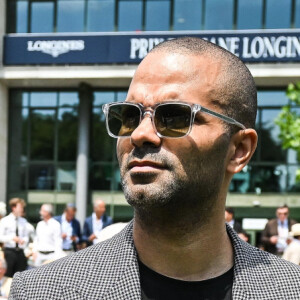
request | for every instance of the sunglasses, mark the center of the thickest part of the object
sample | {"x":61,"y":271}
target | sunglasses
{"x":169,"y":119}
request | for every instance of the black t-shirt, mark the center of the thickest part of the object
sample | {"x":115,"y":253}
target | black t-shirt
{"x":155,"y":286}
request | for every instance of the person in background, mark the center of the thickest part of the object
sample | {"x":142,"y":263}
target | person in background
{"x":275,"y":236}
{"x":5,"y":282}
{"x":14,"y":235}
{"x":2,"y":210}
{"x":48,"y":239}
{"x":292,"y":251}
{"x":70,"y":229}
{"x":94,"y":224}
{"x":229,"y":218}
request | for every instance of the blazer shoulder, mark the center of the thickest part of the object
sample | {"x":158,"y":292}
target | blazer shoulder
{"x":99,"y":264}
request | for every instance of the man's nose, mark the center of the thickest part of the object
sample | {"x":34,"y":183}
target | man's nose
{"x":145,"y":133}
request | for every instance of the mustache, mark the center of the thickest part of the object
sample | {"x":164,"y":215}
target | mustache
{"x":149,"y":153}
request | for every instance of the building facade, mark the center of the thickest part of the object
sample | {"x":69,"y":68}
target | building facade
{"x":63,"y":59}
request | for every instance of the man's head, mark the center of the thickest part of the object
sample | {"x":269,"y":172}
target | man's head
{"x":99,"y":207}
{"x":70,"y":211}
{"x":46,"y":211}
{"x":188,"y":174}
{"x":17,"y":206}
{"x":282,"y":213}
{"x":229,"y":214}
{"x":3,"y":267}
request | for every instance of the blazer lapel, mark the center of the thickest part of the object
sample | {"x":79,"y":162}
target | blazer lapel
{"x":113,"y":274}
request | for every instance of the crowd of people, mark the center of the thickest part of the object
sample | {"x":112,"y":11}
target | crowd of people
{"x":24,"y":246}
{"x":281,"y":235}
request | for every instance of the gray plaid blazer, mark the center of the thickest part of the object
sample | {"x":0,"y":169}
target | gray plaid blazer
{"x":109,"y":270}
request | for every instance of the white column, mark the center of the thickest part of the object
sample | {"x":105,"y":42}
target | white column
{"x":2,"y":26}
{"x":3,"y":140}
{"x":82,"y":165}
{"x":3,"y":111}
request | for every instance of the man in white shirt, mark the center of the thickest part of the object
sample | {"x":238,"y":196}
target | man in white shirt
{"x":14,"y":235}
{"x":292,"y":252}
{"x":48,"y":240}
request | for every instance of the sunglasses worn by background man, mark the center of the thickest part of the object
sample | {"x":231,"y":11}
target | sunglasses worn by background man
{"x":169,"y":119}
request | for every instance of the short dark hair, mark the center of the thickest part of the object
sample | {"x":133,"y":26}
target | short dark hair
{"x":230,"y":210}
{"x":236,"y":87}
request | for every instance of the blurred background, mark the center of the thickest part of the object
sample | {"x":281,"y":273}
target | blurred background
{"x":61,"y":60}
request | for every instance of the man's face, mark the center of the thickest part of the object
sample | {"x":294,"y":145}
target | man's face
{"x":18,"y":210}
{"x":158,"y":171}
{"x":70,"y":213}
{"x":228,"y":216}
{"x":99,"y":208}
{"x":44,"y":213}
{"x":282,"y":213}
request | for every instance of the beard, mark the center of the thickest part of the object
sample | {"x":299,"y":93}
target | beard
{"x":185,"y":192}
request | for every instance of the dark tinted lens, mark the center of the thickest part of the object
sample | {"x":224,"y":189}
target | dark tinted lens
{"x":123,"y":119}
{"x":173,"y":120}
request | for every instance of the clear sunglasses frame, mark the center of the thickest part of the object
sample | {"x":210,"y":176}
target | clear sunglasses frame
{"x":195,"y":108}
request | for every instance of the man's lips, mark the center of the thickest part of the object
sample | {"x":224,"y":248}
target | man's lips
{"x":145,"y":166}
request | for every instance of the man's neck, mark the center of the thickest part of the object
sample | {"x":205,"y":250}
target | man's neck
{"x":203,"y":253}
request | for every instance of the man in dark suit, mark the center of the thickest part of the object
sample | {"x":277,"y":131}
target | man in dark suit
{"x":275,"y":236}
{"x":180,"y":142}
{"x":229,"y":218}
{"x":70,"y":228}
{"x":95,"y":223}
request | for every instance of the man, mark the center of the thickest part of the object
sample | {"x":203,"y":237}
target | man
{"x":14,"y":235}
{"x":229,"y":218}
{"x":176,"y":158}
{"x":48,"y":240}
{"x":5,"y":282}
{"x":275,"y":236}
{"x":94,"y":224}
{"x":70,"y":228}
{"x":292,"y":251}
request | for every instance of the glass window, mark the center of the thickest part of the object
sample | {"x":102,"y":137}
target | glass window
{"x":121,"y":96}
{"x":100,"y":15}
{"x":68,"y":99}
{"x":278,"y":14}
{"x":297,"y":14}
{"x":67,"y":134}
{"x":249,"y":15}
{"x":271,"y":98}
{"x":219,"y":14}
{"x":66,"y":177}
{"x":130,"y":15}
{"x":43,"y":99}
{"x":42,"y":16}
{"x":187,"y":14}
{"x":17,"y":177}
{"x":269,"y":137}
{"x":103,"y":97}
{"x":21,"y":16}
{"x":70,"y":16}
{"x":41,"y":177}
{"x":101,"y":143}
{"x":157,"y":15}
{"x":101,"y":176}
{"x":293,"y":186}
{"x":42,"y":126}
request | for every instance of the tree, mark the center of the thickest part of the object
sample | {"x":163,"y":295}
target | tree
{"x":289,"y":122}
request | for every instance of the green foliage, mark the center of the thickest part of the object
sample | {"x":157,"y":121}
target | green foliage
{"x":289,"y":122}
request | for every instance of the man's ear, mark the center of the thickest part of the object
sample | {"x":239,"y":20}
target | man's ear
{"x":243,"y":145}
